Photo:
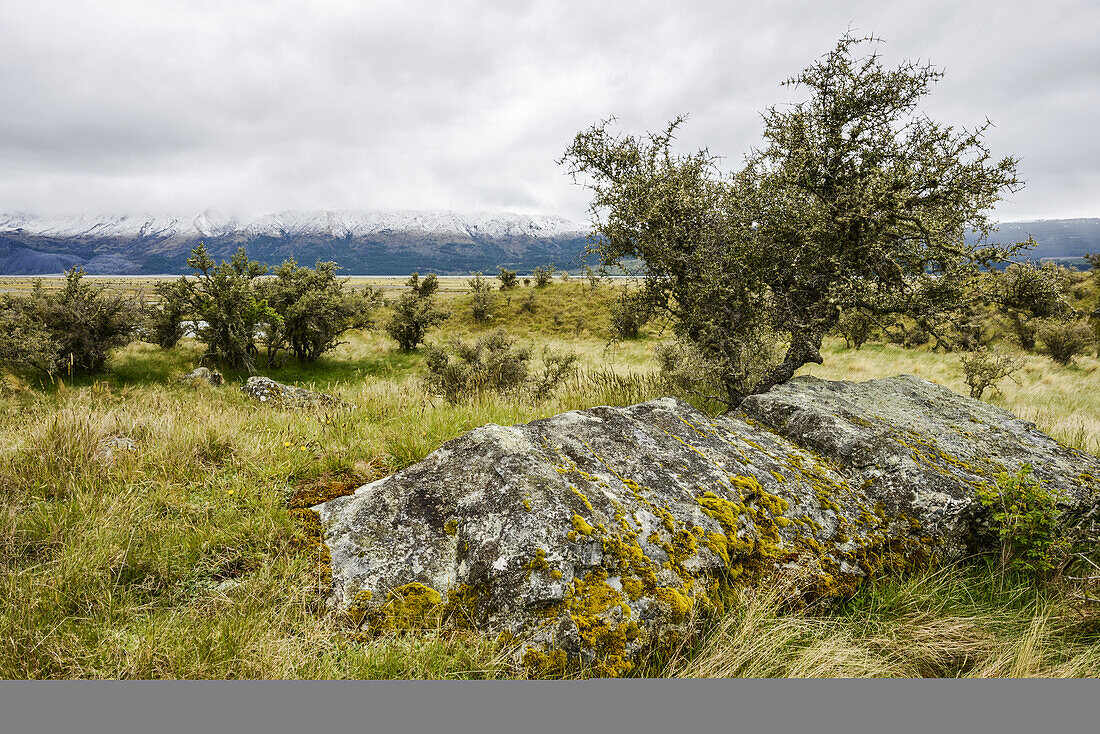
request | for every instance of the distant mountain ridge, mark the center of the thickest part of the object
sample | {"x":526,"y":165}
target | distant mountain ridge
{"x":370,"y":242}
{"x":362,"y":242}
{"x":1055,"y":238}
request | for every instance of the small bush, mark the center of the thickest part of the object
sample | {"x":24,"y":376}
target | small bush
{"x":164,"y":320}
{"x":982,"y":368}
{"x":425,"y":288}
{"x":628,"y":315}
{"x":686,"y":371}
{"x":25,"y":342}
{"x":528,"y":305}
{"x":543,"y":276}
{"x":556,"y":368}
{"x":492,"y":363}
{"x":507,"y":279}
{"x":482,"y":298}
{"x":1025,"y":515}
{"x":312,"y":310}
{"x":1027,"y":293}
{"x":223,"y":298}
{"x":856,"y":327}
{"x":71,"y":330}
{"x":1064,"y":339}
{"x":415,"y":312}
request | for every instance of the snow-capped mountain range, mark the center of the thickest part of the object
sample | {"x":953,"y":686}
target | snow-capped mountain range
{"x":373,"y":242}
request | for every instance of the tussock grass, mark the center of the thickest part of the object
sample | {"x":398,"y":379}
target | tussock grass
{"x":182,"y":559}
{"x":943,"y":623}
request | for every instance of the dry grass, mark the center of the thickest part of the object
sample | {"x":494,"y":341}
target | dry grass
{"x":945,"y":623}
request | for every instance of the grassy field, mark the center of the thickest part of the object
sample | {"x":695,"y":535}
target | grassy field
{"x":183,"y":559}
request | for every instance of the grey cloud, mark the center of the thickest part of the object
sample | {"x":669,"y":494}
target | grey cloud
{"x":256,"y":106}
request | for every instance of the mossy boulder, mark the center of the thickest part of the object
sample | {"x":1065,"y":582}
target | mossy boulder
{"x":591,"y":535}
{"x":268,"y":391}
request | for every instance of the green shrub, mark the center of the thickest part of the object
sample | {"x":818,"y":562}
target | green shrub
{"x":628,"y":315}
{"x":82,"y":322}
{"x":25,"y":342}
{"x":415,"y":312}
{"x":164,"y":320}
{"x":313,"y":309}
{"x":1027,"y":293}
{"x":556,"y":368}
{"x":1064,"y":339}
{"x":685,"y":370}
{"x":481,"y":300}
{"x":493,"y":363}
{"x":855,"y":327}
{"x":543,"y":276}
{"x":1025,"y":516}
{"x":224,"y":300}
{"x":508,"y":279}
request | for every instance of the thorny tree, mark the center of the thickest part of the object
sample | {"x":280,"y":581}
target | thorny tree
{"x":855,"y":200}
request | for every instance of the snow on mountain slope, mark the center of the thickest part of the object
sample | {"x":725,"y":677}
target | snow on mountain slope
{"x":293,"y":223}
{"x":383,"y":242}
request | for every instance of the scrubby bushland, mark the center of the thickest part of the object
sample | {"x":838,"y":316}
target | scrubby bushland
{"x":481,"y":300}
{"x":493,"y":363}
{"x":415,"y":312}
{"x":313,"y":309}
{"x":300,"y":310}
{"x":71,"y":330}
{"x":855,"y":200}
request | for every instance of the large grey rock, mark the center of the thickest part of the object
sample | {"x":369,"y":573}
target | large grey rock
{"x":266,"y":390}
{"x":592,"y":533}
{"x":921,"y":449}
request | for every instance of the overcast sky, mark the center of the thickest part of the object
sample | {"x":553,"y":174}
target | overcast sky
{"x":251,"y":107}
